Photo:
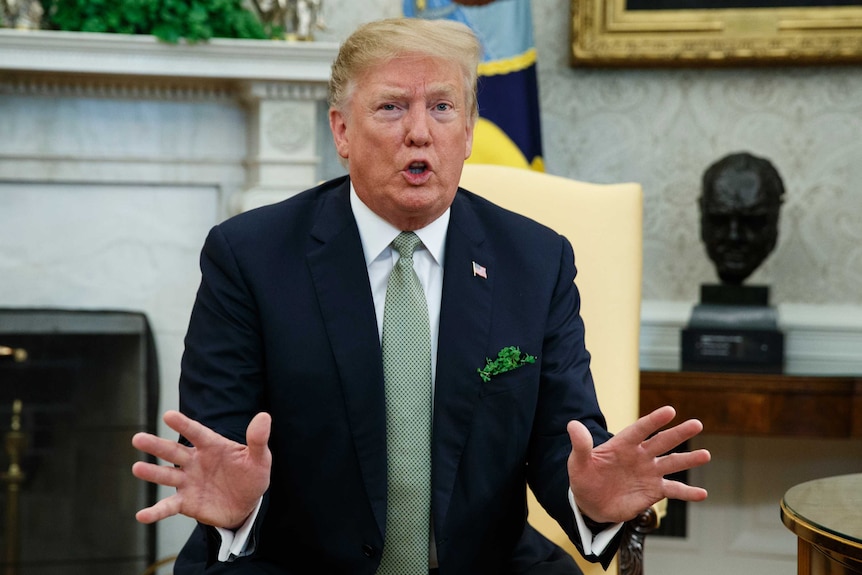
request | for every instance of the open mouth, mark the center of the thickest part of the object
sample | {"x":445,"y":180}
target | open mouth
{"x":417,"y":167}
{"x":417,"y":173}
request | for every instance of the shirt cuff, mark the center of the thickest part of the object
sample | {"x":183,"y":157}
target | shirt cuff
{"x":236,"y":544}
{"x":593,"y":544}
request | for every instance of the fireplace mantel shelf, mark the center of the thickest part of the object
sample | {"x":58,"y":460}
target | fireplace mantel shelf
{"x":280,"y":86}
{"x":121,"y":55}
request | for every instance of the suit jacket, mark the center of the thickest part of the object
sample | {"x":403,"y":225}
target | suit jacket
{"x":284,"y":322}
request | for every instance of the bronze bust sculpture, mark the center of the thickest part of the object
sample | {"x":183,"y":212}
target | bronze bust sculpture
{"x":734,"y":327}
{"x":739,"y":210}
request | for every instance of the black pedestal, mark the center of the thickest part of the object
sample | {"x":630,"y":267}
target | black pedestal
{"x":733,"y":329}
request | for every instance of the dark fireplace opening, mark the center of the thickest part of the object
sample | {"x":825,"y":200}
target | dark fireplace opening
{"x":74,"y":387}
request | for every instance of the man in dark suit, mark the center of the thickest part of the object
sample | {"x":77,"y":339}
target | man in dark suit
{"x":283,"y":390}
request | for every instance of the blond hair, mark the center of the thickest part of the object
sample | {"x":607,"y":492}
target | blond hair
{"x":383,"y":40}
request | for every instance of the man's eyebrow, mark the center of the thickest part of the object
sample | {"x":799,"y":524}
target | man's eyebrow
{"x":443,"y":89}
{"x":439,"y":88}
{"x":393,"y":94}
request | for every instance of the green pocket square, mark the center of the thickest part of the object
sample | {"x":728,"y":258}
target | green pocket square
{"x":508,"y":358}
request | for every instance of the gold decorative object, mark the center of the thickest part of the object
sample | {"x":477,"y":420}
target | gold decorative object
{"x":297,"y":19}
{"x":632,"y":33}
{"x":13,"y":477}
{"x":17,"y":354}
{"x":21,"y":14}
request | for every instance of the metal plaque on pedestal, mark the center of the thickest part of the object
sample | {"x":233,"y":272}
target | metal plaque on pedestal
{"x":733,"y":337}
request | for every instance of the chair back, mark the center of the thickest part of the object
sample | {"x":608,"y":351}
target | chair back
{"x":604,"y":225}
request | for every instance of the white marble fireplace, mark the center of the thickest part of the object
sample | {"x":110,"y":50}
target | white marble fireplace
{"x":118,"y":153}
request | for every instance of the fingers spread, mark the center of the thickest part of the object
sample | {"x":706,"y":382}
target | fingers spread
{"x":164,"y":449}
{"x":666,"y":440}
{"x":582,"y":443}
{"x":196,"y":433}
{"x":683,"y":492}
{"x":164,"y":508}
{"x":161,"y":474}
{"x":647,"y":425}
{"x":675,"y":462}
{"x":257,"y":435}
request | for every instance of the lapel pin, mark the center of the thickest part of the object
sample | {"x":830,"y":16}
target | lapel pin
{"x":480,"y":271}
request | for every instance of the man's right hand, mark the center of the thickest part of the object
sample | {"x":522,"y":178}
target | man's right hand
{"x":218,"y":481}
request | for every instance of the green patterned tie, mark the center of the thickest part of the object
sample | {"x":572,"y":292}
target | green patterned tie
{"x":407,"y":377}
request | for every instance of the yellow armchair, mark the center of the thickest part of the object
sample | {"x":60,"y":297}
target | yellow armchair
{"x":604,"y":224}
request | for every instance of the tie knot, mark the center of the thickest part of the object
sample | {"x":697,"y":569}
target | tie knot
{"x":405,"y":243}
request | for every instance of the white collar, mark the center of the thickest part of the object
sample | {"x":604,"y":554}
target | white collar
{"x":376,"y":233}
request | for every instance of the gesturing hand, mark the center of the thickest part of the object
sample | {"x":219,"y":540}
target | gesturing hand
{"x":218,"y":481}
{"x":625,"y":475}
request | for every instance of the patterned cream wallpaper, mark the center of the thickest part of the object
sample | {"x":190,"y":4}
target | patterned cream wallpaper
{"x":662,"y":128}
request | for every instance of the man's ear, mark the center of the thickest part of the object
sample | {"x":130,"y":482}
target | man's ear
{"x":338,"y":126}
{"x":471,"y":127}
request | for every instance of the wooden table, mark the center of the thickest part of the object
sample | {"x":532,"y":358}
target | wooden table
{"x":759,"y":404}
{"x":826,"y":516}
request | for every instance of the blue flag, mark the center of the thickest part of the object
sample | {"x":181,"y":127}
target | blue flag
{"x":508,"y":131}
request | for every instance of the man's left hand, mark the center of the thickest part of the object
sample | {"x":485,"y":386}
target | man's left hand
{"x":617,"y":480}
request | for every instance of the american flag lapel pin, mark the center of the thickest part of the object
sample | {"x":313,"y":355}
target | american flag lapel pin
{"x":480,"y":271}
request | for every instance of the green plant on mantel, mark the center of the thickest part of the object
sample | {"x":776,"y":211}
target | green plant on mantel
{"x":168,"y":20}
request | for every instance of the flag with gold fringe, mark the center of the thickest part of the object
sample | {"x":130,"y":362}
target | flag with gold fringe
{"x":508,"y":131}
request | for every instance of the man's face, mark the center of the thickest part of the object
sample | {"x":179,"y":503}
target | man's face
{"x":406,"y":132}
{"x":739,"y":224}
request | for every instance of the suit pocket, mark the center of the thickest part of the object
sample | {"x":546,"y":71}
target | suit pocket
{"x":510,"y":381}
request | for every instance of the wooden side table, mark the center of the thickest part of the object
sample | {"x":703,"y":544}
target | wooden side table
{"x":826,"y":515}
{"x":759,"y":404}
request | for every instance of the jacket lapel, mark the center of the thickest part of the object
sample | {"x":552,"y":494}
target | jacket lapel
{"x":340,"y":278}
{"x":465,"y":321}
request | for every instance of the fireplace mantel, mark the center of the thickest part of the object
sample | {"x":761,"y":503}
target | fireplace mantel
{"x":146,"y":58}
{"x":280,"y":85}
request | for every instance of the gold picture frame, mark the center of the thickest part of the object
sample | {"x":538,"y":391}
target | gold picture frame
{"x":610,"y":33}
